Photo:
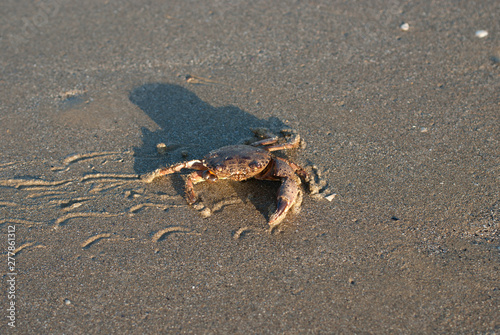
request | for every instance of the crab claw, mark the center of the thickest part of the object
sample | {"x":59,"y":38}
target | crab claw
{"x":283,"y":206}
{"x":287,"y":196}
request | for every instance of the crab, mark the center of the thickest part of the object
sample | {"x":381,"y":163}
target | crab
{"x":242,"y":162}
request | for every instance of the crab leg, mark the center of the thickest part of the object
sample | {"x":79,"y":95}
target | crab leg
{"x":300,"y":171}
{"x":292,"y":144}
{"x":269,"y":138}
{"x":194,"y":164}
{"x":266,"y":141}
{"x":194,"y":178}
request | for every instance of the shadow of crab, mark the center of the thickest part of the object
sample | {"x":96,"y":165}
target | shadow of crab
{"x":186,"y":124}
{"x":226,"y":195}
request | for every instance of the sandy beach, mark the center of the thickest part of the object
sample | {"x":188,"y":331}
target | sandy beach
{"x":398,"y":104}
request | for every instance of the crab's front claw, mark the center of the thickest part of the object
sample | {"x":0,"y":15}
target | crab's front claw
{"x":282,"y":208}
{"x":287,"y":197}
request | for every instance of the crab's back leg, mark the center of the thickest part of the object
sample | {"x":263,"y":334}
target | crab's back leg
{"x":293,"y":143}
{"x":266,"y":141}
{"x":267,"y":136}
{"x":289,"y":189}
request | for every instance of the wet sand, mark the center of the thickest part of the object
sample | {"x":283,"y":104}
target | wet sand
{"x":403,"y":124}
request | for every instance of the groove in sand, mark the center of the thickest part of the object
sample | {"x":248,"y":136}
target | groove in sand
{"x":70,"y":216}
{"x":95,"y":238}
{"x":163,"y":232}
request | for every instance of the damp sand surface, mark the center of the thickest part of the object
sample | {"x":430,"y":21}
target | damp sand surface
{"x":398,"y":106}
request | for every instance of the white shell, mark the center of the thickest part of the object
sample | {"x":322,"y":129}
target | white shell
{"x":481,"y":33}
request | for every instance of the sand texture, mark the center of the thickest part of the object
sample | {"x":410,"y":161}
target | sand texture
{"x":398,"y":104}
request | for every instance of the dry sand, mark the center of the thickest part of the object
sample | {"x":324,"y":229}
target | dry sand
{"x":404,"y":123}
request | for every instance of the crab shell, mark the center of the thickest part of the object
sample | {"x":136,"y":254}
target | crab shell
{"x":237,"y":162}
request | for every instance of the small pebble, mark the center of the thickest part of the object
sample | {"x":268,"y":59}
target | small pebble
{"x":423,"y":129}
{"x":67,"y":302}
{"x":161,"y":148}
{"x":206,"y":212}
{"x":198,"y":206}
{"x":481,"y":33}
{"x":405,"y":26}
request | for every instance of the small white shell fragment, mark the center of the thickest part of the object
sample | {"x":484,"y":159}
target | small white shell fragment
{"x":481,"y":33}
{"x":404,"y":26}
{"x":423,"y":129}
{"x":331,"y":196}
